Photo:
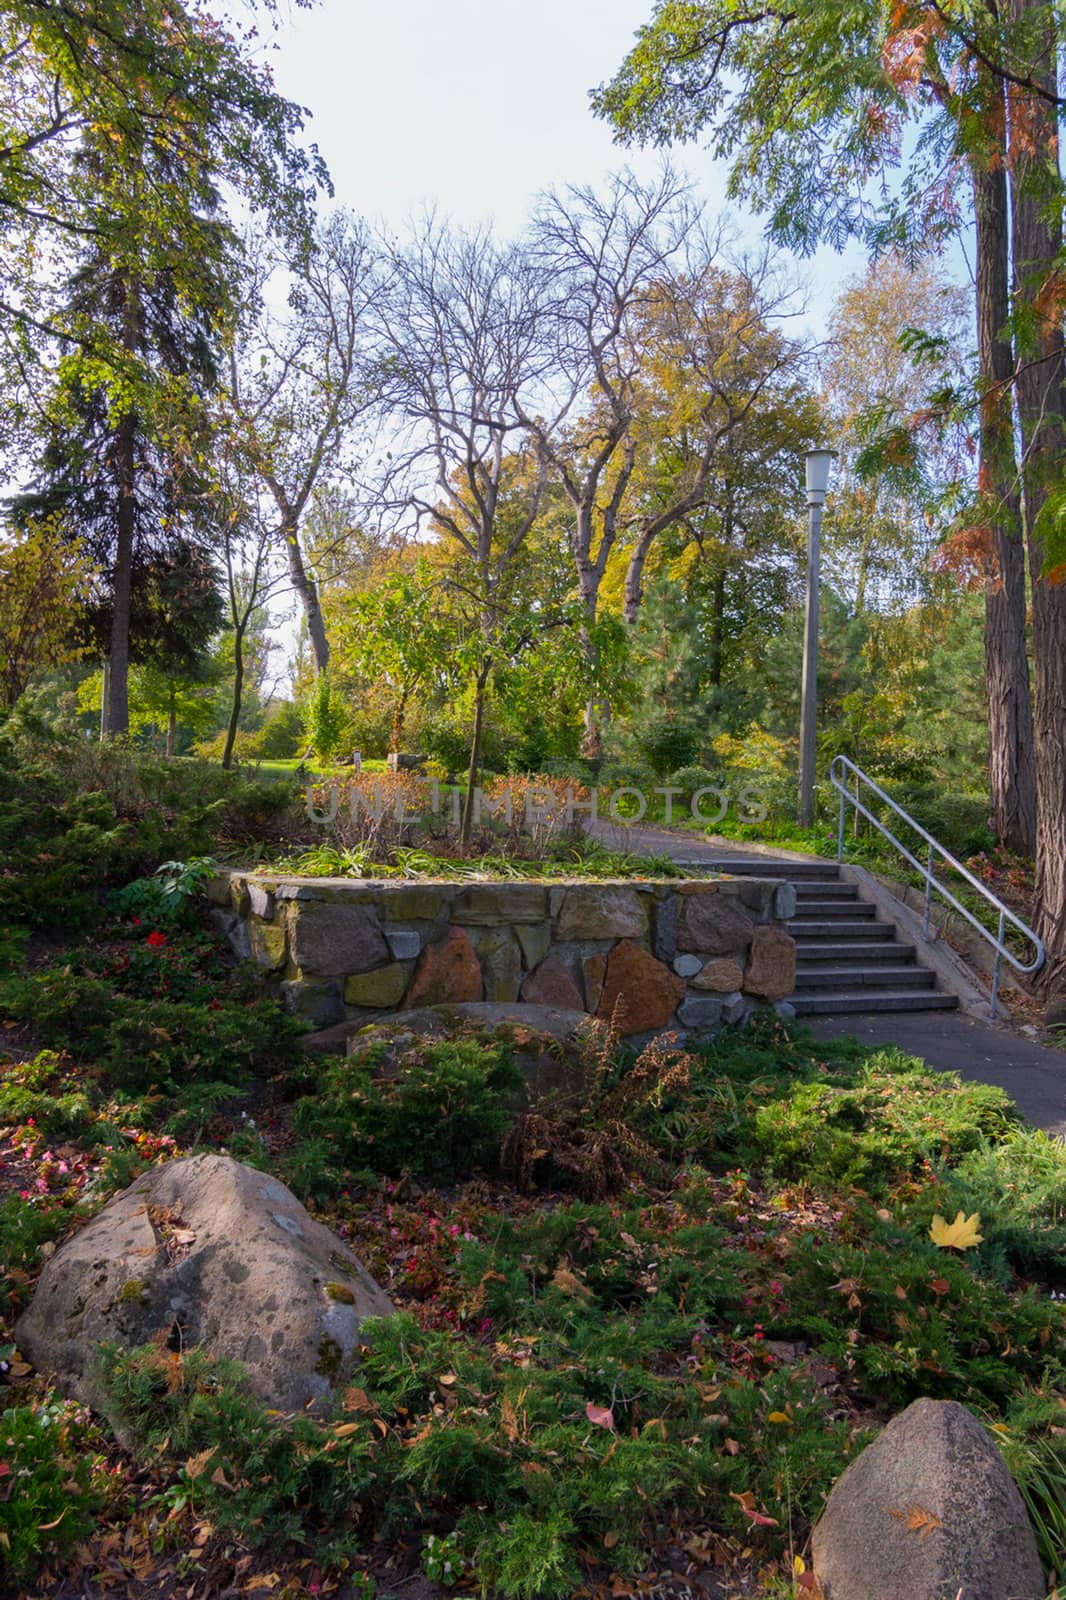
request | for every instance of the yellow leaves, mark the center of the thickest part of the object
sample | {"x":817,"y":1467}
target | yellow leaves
{"x":780,"y":1418}
{"x":961,"y":1234}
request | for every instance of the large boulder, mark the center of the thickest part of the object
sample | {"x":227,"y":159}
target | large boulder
{"x":550,"y":1044}
{"x":205,"y":1251}
{"x":928,"y":1512}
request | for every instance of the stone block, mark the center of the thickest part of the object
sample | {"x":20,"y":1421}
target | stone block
{"x":320,"y":1003}
{"x":267,"y":944}
{"x":687,"y":966}
{"x":640,"y":994}
{"x":500,"y":904}
{"x":601,"y":911}
{"x":758,"y":896}
{"x":594,"y":972}
{"x":785,"y":902}
{"x":332,"y":940}
{"x":771,"y":969}
{"x":552,"y":985}
{"x":734,"y":1009}
{"x":500,"y":955}
{"x":535,"y":940}
{"x":664,"y":943}
{"x":381,"y":989}
{"x":404,"y":944}
{"x":448,"y":973}
{"x":260,"y":901}
{"x":700,"y":1012}
{"x":416,"y":902}
{"x":714,"y":925}
{"x":721,"y":976}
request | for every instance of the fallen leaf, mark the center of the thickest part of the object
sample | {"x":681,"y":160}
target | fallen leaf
{"x":746,"y":1502}
{"x":600,"y":1416}
{"x":780,"y":1417}
{"x":357,"y":1400}
{"x":731,"y":1447}
{"x":567,"y":1283}
{"x":961,"y":1234}
{"x":610,"y":1540}
{"x":917,"y":1520}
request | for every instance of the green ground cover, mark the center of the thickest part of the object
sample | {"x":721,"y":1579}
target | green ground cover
{"x":643,"y":1330}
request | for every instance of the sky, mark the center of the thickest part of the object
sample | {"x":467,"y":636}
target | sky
{"x":475,"y":106}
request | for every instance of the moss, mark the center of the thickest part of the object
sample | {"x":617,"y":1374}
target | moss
{"x":132,"y":1289}
{"x":338,"y":1291}
{"x":329,"y":1360}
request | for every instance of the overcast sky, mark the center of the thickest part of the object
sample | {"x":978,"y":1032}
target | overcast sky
{"x":476,"y":105}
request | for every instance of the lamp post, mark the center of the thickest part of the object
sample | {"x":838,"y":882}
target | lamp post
{"x":818,"y":464}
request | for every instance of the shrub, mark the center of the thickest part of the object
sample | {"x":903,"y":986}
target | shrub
{"x":442,"y":1115}
{"x":51,"y":1480}
{"x":691,"y":779}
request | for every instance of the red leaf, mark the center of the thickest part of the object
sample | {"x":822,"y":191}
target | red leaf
{"x":600,"y":1416}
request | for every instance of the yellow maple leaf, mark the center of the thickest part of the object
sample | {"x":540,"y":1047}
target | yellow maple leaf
{"x":961,"y":1234}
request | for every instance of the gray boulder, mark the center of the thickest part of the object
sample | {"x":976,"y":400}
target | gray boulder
{"x":928,"y":1512}
{"x":550,"y":1044}
{"x":208,"y":1252}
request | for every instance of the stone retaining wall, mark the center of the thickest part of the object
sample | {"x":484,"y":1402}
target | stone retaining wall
{"x":685,"y":955}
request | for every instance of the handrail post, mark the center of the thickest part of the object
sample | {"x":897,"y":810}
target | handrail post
{"x":840,"y":826}
{"x":928,"y":892}
{"x":999,"y":958}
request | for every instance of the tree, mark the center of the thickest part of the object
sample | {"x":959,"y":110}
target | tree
{"x":45,"y":581}
{"x":883,"y":532}
{"x":864,"y":72}
{"x":463,"y":321}
{"x":299,"y":385}
{"x":124,"y":122}
{"x":398,"y":633}
{"x":661,"y":350}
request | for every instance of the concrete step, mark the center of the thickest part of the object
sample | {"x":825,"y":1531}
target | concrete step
{"x":762,"y":867}
{"x":823,"y":889}
{"x":815,"y":910}
{"x":859,"y":977}
{"x":838,"y":928}
{"x":819,"y":952}
{"x":829,"y":1002}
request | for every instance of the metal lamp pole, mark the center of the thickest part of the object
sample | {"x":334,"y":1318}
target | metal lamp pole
{"x":819,"y":463}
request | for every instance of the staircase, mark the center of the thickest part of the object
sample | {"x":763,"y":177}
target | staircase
{"x":846,"y":959}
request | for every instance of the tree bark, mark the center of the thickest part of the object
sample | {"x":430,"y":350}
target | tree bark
{"x":238,"y":695}
{"x":172,"y":725}
{"x":1039,"y":386}
{"x":1011,"y":769}
{"x":307,"y":590}
{"x":466,"y":826}
{"x":118,"y":703}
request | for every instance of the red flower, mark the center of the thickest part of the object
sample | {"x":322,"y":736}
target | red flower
{"x":156,"y":941}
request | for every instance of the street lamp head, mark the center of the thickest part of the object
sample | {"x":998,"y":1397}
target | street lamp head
{"x":819,"y":463}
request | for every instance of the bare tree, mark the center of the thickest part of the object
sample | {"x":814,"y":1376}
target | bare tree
{"x":463,"y":327}
{"x":301,"y":384}
{"x":630,"y":268}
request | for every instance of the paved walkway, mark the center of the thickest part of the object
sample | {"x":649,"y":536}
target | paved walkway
{"x":1034,"y":1075}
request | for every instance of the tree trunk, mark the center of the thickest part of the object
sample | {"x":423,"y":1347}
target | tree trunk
{"x":307,"y":591}
{"x":238,"y":693}
{"x":118,"y":703}
{"x":1037,"y":240}
{"x":105,"y":699}
{"x":634,"y":591}
{"x":172,"y":725}
{"x":466,"y":826}
{"x":1010,"y":716}
{"x":718,"y":629}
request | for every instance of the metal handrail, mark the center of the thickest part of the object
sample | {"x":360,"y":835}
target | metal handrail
{"x":838,"y":773}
